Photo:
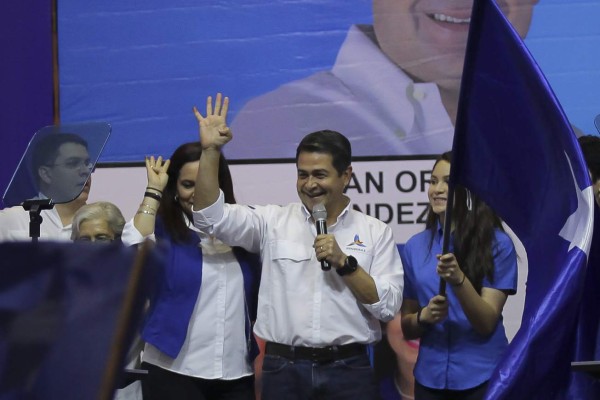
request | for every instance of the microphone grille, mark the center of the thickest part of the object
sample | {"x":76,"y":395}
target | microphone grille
{"x":319,"y":212}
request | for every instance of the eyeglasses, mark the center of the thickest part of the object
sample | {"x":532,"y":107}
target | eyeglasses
{"x":97,"y":238}
{"x":75,"y":163}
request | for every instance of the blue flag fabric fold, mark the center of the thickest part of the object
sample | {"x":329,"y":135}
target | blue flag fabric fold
{"x":60,"y":311}
{"x":515,"y":149}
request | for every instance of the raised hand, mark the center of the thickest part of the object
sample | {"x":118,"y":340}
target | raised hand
{"x":156,"y":170}
{"x":214,"y":132}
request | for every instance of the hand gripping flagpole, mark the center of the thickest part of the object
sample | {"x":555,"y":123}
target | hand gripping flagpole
{"x":447,"y":227}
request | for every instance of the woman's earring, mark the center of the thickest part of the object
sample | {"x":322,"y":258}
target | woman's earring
{"x":176,"y":197}
{"x":469,"y":201}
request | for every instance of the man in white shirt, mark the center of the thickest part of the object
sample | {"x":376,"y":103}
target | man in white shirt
{"x":316,"y":323}
{"x":393,"y":89}
{"x":61,"y":164}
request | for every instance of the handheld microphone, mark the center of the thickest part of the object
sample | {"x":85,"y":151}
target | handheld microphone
{"x":319,"y":214}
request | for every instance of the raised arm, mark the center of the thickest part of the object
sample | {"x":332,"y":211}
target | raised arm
{"x":145,"y":217}
{"x":214,"y":134}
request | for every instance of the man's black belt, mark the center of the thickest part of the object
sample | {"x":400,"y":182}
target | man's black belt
{"x":316,"y":354}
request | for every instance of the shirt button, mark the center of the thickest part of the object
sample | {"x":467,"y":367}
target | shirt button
{"x":400,"y":133}
{"x":419,"y":94}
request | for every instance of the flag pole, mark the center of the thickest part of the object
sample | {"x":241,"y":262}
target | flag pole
{"x":460,"y":126}
{"x":447,"y":228}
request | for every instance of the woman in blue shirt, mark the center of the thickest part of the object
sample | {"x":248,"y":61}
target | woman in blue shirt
{"x":198,"y":331}
{"x":461,"y":334}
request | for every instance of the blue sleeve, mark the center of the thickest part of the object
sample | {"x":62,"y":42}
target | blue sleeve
{"x":505,"y":265}
{"x":409,"y":287}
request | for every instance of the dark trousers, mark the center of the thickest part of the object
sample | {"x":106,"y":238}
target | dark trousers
{"x":348,"y":379}
{"x":161,"y":384}
{"x":425,"y":393}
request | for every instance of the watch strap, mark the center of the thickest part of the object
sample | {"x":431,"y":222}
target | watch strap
{"x":350,"y":265}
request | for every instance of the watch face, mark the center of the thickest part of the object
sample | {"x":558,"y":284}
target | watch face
{"x":349,"y":266}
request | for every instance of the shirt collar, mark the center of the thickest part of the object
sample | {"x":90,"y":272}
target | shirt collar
{"x":438,"y":232}
{"x":305,"y":211}
{"x":345,"y":211}
{"x":362,"y":72}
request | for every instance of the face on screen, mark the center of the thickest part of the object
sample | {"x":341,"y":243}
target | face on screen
{"x":427,"y":38}
{"x":63,"y":179}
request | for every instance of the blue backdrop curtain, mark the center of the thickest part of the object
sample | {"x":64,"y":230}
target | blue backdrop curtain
{"x":26,"y":78}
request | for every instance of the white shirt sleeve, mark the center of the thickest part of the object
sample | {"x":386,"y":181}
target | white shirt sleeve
{"x":388,"y":273}
{"x":132,"y":236}
{"x":206,"y":218}
{"x":234,"y":224}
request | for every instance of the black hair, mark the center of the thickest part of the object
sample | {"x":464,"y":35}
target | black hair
{"x":170,"y":210}
{"x":328,"y":142}
{"x":590,"y":147}
{"x":474,"y":237}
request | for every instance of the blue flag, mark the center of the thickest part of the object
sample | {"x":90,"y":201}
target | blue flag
{"x":68,"y":312}
{"x":515,"y":149}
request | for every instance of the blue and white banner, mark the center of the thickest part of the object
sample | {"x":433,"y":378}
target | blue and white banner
{"x":386,"y":73}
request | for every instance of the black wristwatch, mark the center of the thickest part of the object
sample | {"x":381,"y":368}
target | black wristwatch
{"x":349,"y":267}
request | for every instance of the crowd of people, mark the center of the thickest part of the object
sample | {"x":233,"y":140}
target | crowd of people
{"x":240,"y":279}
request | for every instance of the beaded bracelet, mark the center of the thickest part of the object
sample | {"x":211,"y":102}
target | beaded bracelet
{"x":152,"y":196}
{"x":148,"y":206}
{"x":145,"y":212}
